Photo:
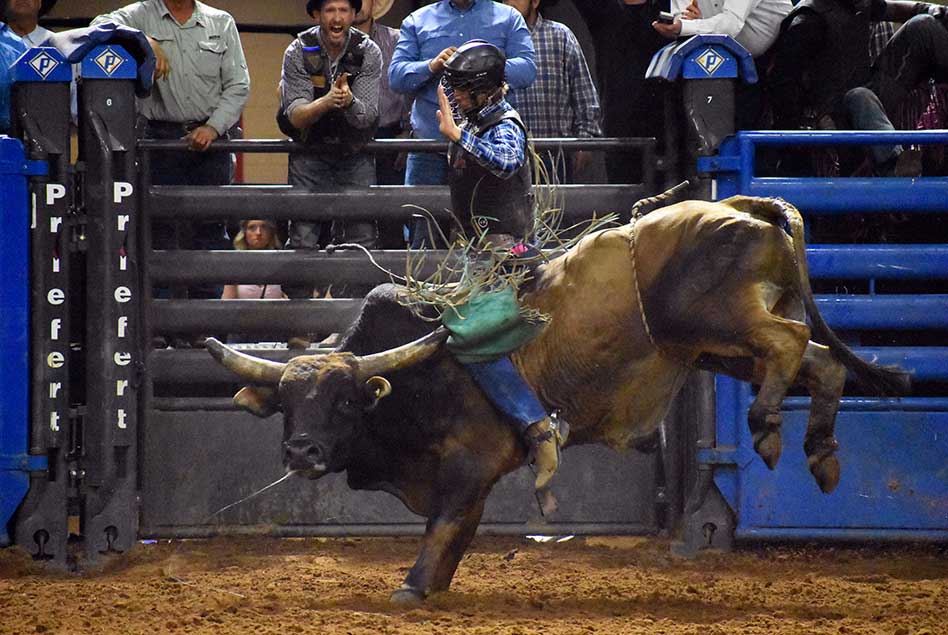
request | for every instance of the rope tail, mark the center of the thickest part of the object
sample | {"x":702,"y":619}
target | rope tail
{"x":660,"y":197}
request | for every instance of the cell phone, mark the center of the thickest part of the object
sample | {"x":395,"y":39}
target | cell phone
{"x":665,"y":17}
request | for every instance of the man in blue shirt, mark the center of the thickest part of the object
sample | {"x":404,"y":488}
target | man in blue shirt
{"x":429,"y":36}
{"x":11,"y":48}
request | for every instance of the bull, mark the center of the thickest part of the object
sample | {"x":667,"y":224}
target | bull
{"x":721,"y":286}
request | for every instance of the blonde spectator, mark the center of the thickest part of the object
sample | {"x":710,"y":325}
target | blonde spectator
{"x":255,"y":234}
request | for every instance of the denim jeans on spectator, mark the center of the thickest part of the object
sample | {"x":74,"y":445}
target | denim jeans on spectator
{"x":866,"y":113}
{"x":917,"y":52}
{"x":424,"y":169}
{"x":329,"y":174}
{"x":189,"y":168}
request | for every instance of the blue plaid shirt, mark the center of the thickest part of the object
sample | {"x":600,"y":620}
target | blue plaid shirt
{"x":502,"y":149}
{"x":562,"y":102}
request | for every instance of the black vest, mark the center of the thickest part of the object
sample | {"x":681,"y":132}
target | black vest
{"x":844,"y":63}
{"x":332,"y":133}
{"x":505,"y":206}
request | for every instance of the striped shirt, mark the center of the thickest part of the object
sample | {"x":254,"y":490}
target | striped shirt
{"x":208,"y":80}
{"x":562,"y":102}
{"x":502,"y":149}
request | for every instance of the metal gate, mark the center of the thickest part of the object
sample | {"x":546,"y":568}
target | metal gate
{"x":893,"y":451}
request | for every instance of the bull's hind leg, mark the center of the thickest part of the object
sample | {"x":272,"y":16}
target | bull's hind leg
{"x":824,"y":377}
{"x":778,"y":345}
{"x":768,"y":351}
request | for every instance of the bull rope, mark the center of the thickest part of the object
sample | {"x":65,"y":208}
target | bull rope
{"x":635,"y":280}
{"x":636,"y":215}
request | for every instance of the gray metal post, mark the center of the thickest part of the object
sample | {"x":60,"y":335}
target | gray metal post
{"x":107,"y":149}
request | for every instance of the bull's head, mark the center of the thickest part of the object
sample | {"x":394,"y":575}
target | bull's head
{"x":323,"y":397}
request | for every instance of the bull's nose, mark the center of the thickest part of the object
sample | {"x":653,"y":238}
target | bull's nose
{"x":301,"y":453}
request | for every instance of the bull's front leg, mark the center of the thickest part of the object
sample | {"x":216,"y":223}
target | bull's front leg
{"x":459,"y":493}
{"x":446,"y":539}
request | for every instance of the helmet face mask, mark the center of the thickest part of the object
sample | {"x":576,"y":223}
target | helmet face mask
{"x":476,"y":68}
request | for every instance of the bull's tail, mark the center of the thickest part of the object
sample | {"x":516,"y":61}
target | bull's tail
{"x":872,"y":378}
{"x":659,"y":197}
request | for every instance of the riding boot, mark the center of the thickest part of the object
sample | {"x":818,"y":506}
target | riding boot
{"x":544,"y":450}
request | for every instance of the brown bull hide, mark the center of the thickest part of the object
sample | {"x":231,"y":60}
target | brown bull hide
{"x":722,"y":286}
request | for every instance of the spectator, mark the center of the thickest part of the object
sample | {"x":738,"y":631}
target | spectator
{"x":394,"y":112}
{"x":632,"y":106}
{"x":201,"y":87}
{"x":753,"y":23}
{"x":330,"y":103}
{"x":23,"y":17}
{"x":11,"y":47}
{"x":255,"y":234}
{"x":823,"y":53}
{"x":562,"y":102}
{"x":429,"y":36}
{"x":879,"y":35}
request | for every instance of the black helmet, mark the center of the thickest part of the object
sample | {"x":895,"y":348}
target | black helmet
{"x":477,"y":66}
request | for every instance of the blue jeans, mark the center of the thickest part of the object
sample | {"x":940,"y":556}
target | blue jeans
{"x":506,"y":389}
{"x":866,"y":113}
{"x":424,"y":169}
{"x":329,"y":174}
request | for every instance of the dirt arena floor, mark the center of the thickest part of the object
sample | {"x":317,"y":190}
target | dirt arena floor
{"x":504,"y":585}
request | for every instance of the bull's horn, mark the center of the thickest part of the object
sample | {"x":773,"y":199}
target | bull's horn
{"x":403,"y":356}
{"x":260,"y":371}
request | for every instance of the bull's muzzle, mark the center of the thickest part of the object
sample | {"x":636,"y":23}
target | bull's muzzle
{"x":302,"y":454}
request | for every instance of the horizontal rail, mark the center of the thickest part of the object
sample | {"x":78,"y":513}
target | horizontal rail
{"x":839,"y":137}
{"x":850,"y":195}
{"x":896,"y":312}
{"x":376,"y":202}
{"x":288,"y":266}
{"x":878,"y":261}
{"x":320,"y":267}
{"x":381,"y":146}
{"x":840,"y":534}
{"x":295,"y":317}
{"x":876,"y":404}
{"x":395,"y":530}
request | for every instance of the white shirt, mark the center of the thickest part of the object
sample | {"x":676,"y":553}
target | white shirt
{"x":36,"y":37}
{"x":755,"y":24}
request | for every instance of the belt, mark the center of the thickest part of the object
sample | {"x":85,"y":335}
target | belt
{"x":183,"y":126}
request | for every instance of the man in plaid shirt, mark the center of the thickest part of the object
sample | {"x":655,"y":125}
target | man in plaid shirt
{"x":562,"y":102}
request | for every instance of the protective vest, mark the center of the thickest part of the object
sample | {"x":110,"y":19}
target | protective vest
{"x":332,"y":133}
{"x":845,"y":60}
{"x":503,"y":206}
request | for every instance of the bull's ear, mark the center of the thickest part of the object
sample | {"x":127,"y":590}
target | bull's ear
{"x":258,"y":400}
{"x":377,"y":388}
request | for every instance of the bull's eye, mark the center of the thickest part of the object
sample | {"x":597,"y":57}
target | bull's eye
{"x":348,"y":404}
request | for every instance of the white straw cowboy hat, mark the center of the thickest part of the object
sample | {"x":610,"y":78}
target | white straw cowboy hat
{"x":380,"y":8}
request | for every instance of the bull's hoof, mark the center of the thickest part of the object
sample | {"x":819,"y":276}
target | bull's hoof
{"x":769,"y":446}
{"x":406,"y":595}
{"x":826,"y":473}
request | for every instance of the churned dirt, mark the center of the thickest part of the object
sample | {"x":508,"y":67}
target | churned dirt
{"x":504,"y":585}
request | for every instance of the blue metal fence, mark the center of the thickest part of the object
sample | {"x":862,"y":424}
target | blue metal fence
{"x":15,"y":462}
{"x":894,"y":452}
